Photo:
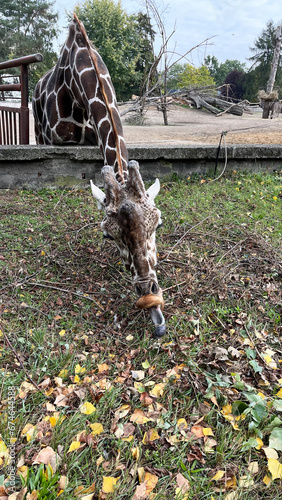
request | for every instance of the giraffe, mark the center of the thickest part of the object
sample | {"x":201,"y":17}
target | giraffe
{"x":75,"y":103}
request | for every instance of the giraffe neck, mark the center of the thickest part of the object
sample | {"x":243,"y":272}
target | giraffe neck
{"x":104,"y":85}
{"x":93,"y":56}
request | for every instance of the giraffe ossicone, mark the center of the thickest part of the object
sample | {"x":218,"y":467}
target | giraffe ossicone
{"x":75,"y":103}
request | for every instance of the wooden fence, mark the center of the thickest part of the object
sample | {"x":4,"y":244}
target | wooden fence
{"x":14,"y":121}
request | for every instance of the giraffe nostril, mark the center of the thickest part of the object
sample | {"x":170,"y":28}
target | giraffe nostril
{"x":138,"y":291}
{"x":154,"y":288}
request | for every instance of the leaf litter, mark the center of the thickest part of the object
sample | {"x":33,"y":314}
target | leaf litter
{"x":142,"y":417}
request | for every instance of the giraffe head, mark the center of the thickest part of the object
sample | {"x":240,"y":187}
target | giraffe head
{"x":131,"y":221}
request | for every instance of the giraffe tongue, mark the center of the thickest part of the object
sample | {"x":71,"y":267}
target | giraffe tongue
{"x":158,"y":320}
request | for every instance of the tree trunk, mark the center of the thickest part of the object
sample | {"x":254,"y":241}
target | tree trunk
{"x":273,"y":70}
{"x":275,"y":61}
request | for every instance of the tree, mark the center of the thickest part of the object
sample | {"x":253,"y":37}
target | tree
{"x":174,"y":75}
{"x":195,"y":77}
{"x":219,"y":71}
{"x":122,"y":40}
{"x":234,"y":85}
{"x":27,"y":27}
{"x":263,"y":50}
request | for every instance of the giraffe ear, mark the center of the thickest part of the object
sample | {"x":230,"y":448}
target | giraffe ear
{"x":98,"y":195}
{"x":153,"y":190}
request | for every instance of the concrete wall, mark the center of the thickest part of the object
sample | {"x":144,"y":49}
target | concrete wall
{"x":55,"y":166}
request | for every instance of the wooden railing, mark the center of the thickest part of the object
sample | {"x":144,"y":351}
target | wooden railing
{"x":14,"y":122}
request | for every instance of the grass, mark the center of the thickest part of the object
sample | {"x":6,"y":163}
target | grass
{"x":208,"y":393}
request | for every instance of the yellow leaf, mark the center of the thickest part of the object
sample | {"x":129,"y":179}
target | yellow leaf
{"x":260,"y":444}
{"x":226,"y":410}
{"x":53,"y":421}
{"x":63,"y":373}
{"x":218,"y":475}
{"x":207,"y":431}
{"x":62,"y":333}
{"x":79,"y":369}
{"x":28,"y":431}
{"x":135,"y":452}
{"x":74,"y":446}
{"x":43,"y":253}
{"x":109,"y":484}
{"x":279,"y":393}
{"x":141,"y":474}
{"x":87,"y":408}
{"x":96,"y":428}
{"x":149,"y":436}
{"x":181,"y":422}
{"x":266,"y":480}
{"x":100,"y":460}
{"x":275,"y":468}
{"x":151,"y":480}
{"x":158,"y":390}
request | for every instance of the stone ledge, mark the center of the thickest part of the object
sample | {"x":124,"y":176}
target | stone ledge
{"x":38,"y":166}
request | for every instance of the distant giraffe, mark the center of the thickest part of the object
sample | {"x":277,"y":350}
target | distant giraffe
{"x":75,"y":103}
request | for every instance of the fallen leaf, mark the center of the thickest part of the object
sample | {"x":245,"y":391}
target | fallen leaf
{"x":138,"y":417}
{"x":96,"y":428}
{"x":275,"y":438}
{"x":103,"y":368}
{"x":109,"y":484}
{"x":197,"y":430}
{"x":140,"y":492}
{"x":253,"y":467}
{"x":87,"y":408}
{"x":270,"y":453}
{"x":47,"y":456}
{"x":218,"y":475}
{"x":182,"y":483}
{"x":275,"y":468}
{"x":122,"y":411}
{"x":135,"y":452}
{"x":150,"y":436}
{"x":260,"y":443}
{"x":207,"y":431}
{"x":181,"y":423}
{"x":74,"y":446}
{"x":138,"y":375}
{"x":246,"y":482}
{"x":158,"y":390}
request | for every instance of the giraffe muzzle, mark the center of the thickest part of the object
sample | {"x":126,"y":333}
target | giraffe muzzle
{"x":155,"y":304}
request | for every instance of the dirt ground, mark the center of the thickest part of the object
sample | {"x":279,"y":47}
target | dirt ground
{"x":191,"y":126}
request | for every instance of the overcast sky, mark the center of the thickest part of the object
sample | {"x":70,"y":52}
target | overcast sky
{"x":234,"y":24}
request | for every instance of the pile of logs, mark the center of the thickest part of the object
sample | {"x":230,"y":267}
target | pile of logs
{"x":215,"y":105}
{"x":205,"y":97}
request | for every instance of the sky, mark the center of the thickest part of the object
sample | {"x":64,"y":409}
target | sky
{"x":232,"y":26}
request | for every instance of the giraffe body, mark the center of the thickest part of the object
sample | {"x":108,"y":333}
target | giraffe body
{"x":75,"y":103}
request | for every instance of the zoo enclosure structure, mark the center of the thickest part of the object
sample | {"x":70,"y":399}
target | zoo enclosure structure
{"x":14,"y":121}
